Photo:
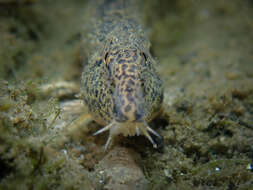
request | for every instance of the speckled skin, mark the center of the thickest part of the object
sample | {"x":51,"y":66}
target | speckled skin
{"x":119,"y":83}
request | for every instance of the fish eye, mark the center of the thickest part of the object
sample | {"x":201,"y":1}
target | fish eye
{"x":144,"y":55}
{"x":105,"y":60}
{"x":106,"y":55}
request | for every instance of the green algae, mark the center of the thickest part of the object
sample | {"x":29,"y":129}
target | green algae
{"x":27,"y":161}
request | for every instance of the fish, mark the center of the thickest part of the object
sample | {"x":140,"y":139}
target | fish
{"x":120,"y":84}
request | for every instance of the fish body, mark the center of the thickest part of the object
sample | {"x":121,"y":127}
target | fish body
{"x":119,"y":83}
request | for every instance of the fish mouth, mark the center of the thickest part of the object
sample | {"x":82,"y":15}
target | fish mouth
{"x":128,"y":129}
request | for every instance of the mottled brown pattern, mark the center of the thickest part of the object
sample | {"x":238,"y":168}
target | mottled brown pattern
{"x":119,"y":84}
